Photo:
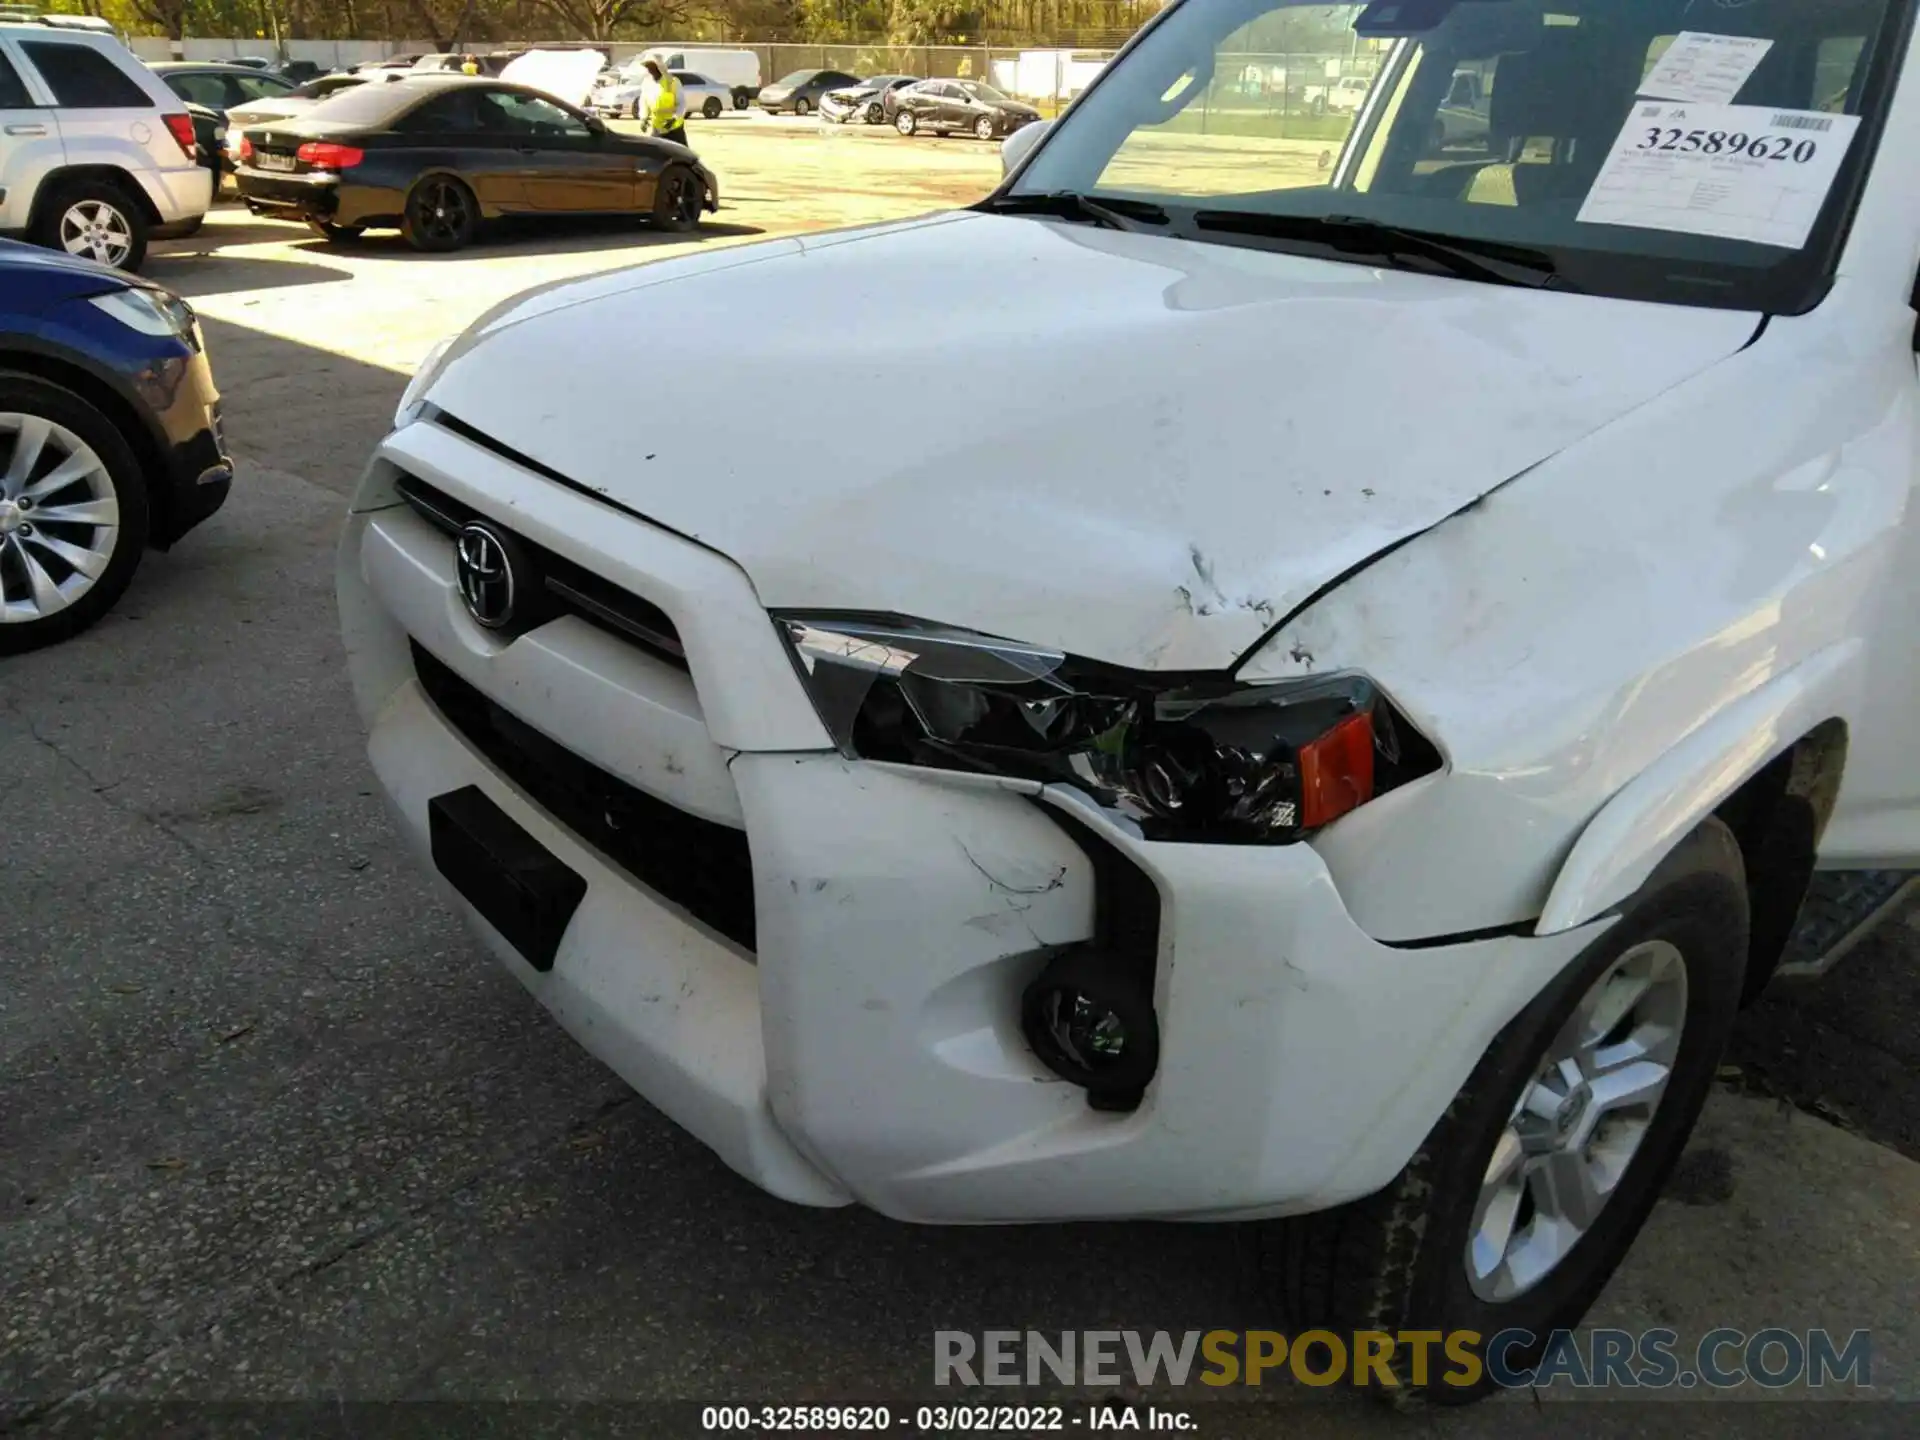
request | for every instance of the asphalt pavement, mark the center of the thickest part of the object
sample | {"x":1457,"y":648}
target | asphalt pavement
{"x":275,"y":1133}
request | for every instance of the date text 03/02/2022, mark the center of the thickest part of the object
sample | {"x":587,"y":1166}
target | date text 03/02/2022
{"x":946,"y":1419}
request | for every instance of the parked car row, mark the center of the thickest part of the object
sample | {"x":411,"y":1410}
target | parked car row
{"x":911,"y":104}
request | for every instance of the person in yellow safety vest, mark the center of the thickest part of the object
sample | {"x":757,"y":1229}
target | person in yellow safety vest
{"x":470,"y":65}
{"x":663,"y":104}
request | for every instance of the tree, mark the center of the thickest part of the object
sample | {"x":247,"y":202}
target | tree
{"x":168,"y":16}
{"x":931,"y":22}
{"x":448,"y":22}
{"x":600,"y":19}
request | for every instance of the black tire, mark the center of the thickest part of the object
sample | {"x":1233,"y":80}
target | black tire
{"x":905,"y":122}
{"x":712,"y":108}
{"x":25,"y":395}
{"x":876,"y":114}
{"x":983,"y":128}
{"x":677,"y":201}
{"x":1397,"y":1261}
{"x":335,"y":234}
{"x":441,"y":214}
{"x":51,"y":226}
{"x":801,"y":107}
{"x":741,"y":99}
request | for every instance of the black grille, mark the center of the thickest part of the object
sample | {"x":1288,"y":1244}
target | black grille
{"x":573,"y":589}
{"x":699,"y":865}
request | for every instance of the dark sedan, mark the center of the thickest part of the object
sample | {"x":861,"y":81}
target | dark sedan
{"x":211,"y":90}
{"x":944,"y":106}
{"x":109,"y":438}
{"x":801,"y":92}
{"x":436,"y":155}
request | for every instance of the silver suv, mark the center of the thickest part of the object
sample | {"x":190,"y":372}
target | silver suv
{"x":97,"y":156}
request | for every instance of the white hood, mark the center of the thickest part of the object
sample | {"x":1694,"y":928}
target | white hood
{"x":1136,"y":449}
{"x":564,"y":74}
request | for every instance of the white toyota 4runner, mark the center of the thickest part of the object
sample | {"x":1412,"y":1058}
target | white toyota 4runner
{"x":97,"y":156}
{"x":1339,"y":689}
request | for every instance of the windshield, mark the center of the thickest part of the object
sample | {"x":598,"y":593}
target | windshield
{"x":1694,"y":151}
{"x":797,"y":78}
{"x":982,"y":92}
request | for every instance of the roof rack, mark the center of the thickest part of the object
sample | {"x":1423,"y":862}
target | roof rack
{"x":31,"y":15}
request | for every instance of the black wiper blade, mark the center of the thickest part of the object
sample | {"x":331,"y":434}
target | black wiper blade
{"x":1471,"y":259}
{"x":1071,"y":205}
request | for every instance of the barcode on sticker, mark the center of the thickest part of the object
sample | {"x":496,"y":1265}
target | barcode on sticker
{"x":1803,"y":122}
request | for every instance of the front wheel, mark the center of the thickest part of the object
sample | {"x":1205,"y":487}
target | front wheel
{"x":1529,"y":1190}
{"x":983,"y":128}
{"x":876,"y":114}
{"x":905,"y":123}
{"x":801,"y":107}
{"x":441,"y":214}
{"x":677,"y":200}
{"x":73,"y":513}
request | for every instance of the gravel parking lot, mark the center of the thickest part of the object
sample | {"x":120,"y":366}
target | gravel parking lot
{"x":272,"y":1129}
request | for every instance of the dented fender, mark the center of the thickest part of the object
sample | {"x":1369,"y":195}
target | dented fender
{"x":1636,"y":829}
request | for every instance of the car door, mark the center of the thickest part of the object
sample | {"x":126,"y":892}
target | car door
{"x":29,"y":143}
{"x":950,"y":107}
{"x":104,"y":114}
{"x":456,"y":132}
{"x":569,"y":167}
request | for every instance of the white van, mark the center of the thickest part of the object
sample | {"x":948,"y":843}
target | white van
{"x":738,"y":70}
{"x":1324,"y":694}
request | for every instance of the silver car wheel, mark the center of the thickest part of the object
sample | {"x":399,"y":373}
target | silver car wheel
{"x":1579,"y":1122}
{"x":59,"y":518}
{"x":96,"y":230}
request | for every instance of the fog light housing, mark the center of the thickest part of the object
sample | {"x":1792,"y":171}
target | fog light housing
{"x":1091,"y":1022}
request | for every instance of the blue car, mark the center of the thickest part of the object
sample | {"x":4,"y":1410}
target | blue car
{"x":109,"y":437}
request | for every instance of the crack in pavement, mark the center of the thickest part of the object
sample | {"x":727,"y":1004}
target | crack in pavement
{"x":95,"y":785}
{"x":406,"y":1219}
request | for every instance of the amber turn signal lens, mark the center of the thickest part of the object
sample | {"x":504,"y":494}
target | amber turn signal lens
{"x":1336,"y":772}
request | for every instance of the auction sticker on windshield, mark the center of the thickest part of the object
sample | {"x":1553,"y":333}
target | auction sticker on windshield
{"x":1705,"y":69}
{"x":1739,"y":172}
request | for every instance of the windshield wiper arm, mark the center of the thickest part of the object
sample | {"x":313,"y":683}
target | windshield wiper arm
{"x":1071,"y":205}
{"x":1470,"y":259}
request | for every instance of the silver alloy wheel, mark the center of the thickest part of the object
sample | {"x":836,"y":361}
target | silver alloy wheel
{"x":1579,"y":1122}
{"x":59,"y":518}
{"x":97,"y":230}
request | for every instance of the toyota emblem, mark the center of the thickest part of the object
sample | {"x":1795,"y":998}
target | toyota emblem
{"x":487,"y":580}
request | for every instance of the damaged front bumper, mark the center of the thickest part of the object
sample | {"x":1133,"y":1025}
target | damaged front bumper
{"x":861,"y":1042}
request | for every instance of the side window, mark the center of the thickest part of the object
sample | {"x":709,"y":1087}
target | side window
{"x":13,"y":90}
{"x":257,"y":87}
{"x":1836,"y":69}
{"x":83,"y":78}
{"x":527,"y":115}
{"x":454,"y":114}
{"x":208,"y":90}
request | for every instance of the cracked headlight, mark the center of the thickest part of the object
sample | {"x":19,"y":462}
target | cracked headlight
{"x":1187,"y":757}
